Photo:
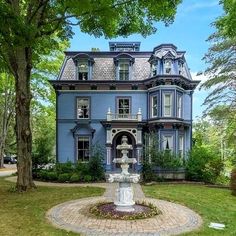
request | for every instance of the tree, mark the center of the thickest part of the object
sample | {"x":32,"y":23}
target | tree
{"x":221,"y":58}
{"x":7,"y":110}
{"x":28,"y":30}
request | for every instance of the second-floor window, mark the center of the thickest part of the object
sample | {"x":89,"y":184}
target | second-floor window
{"x":154,"y":106}
{"x":168,"y":104}
{"x":83,"y":109}
{"x":123,"y":107}
{"x":83,"y":70}
{"x":124,"y":70}
{"x":179,"y":106}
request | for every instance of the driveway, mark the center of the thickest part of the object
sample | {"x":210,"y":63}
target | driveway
{"x":8,"y":170}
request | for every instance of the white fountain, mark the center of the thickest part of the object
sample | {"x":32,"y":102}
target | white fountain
{"x":124,"y":194}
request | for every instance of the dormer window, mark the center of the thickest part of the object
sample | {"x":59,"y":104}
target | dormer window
{"x":153,"y":69}
{"x":83,"y":70}
{"x":124,"y":63}
{"x":167,"y":66}
{"x":84,"y":65}
{"x":124,"y":70}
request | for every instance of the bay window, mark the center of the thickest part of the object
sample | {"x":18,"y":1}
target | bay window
{"x":167,"y":104}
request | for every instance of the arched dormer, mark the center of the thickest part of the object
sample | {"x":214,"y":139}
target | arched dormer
{"x":124,"y":63}
{"x":83,"y":63}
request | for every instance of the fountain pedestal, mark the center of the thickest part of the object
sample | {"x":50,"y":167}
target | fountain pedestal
{"x":124,"y":194}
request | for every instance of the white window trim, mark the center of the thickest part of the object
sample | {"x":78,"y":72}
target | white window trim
{"x":152,"y":113}
{"x":84,"y":136}
{"x":171,"y":144}
{"x":77,"y":109}
{"x":171,"y":104}
{"x":179,"y":106}
{"x":124,"y":62}
{"x":181,"y":147}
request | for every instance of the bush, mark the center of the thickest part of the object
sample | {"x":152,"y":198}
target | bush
{"x":52,"y":176}
{"x":42,"y":174}
{"x":87,"y":178}
{"x":147,"y":172}
{"x":62,"y":168}
{"x":64,"y":177}
{"x":95,"y":168}
{"x":203,"y":165}
{"x":75,"y":178}
{"x":233,"y":181}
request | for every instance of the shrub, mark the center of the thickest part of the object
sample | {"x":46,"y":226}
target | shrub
{"x":65,"y":177}
{"x":95,"y":168}
{"x":87,"y":178}
{"x":147,"y":172}
{"x":52,"y":176}
{"x":233,"y":181}
{"x":203,"y":165}
{"x":82,"y":168}
{"x":42,"y":174}
{"x":75,"y":178}
{"x":62,"y":168}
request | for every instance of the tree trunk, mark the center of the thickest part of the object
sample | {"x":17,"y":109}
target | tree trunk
{"x":23,"y":130}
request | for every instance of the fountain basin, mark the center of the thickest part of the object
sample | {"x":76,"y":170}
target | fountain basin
{"x":130,"y":178}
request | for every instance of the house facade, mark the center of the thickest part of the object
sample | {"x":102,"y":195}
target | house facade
{"x":101,"y":96}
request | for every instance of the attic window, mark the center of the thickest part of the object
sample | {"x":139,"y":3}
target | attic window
{"x":167,"y":66}
{"x":83,"y":70}
{"x":154,"y":69}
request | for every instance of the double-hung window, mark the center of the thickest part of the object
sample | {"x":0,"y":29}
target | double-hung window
{"x":83,"y":109}
{"x":168,"y":143}
{"x":83,"y":70}
{"x":123,"y":107}
{"x":83,"y":148}
{"x":167,"y":104}
{"x":124,"y":70}
{"x":179,"y":106}
{"x":167,"y":66}
{"x":181,"y":145}
{"x":154,"y":107}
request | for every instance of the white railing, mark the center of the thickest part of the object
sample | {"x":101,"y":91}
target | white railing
{"x":114,"y":116}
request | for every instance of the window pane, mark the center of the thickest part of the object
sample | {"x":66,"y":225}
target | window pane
{"x":154,"y":106}
{"x":83,"y":108}
{"x":83,"y":148}
{"x":124,"y":71}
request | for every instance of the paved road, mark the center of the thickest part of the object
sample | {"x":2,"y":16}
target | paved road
{"x":8,"y":170}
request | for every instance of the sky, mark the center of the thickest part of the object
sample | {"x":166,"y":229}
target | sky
{"x":189,"y":32}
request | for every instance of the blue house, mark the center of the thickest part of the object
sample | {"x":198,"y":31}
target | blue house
{"x":102,"y":96}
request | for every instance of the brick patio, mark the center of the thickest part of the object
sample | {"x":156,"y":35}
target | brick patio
{"x":175,"y":219}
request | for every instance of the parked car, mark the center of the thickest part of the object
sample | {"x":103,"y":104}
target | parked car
{"x":9,"y":160}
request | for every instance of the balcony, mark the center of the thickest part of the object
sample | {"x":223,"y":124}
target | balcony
{"x":124,"y":117}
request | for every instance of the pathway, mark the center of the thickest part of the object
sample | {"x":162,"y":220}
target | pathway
{"x":72,"y":216}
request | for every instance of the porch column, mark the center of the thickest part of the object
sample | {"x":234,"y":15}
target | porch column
{"x":108,"y":158}
{"x":139,"y":151}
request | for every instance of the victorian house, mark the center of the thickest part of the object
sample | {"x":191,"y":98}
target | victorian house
{"x":103,"y":95}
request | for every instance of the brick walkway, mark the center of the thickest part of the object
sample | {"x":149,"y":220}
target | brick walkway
{"x":175,"y":219}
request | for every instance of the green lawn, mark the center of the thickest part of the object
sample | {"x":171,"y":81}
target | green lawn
{"x":214,"y":205}
{"x":24,"y":214}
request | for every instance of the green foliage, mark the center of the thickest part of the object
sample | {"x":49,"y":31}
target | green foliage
{"x":233,"y":181}
{"x":62,"y":168}
{"x":65,"y":177}
{"x":76,"y":177}
{"x":203,"y":165}
{"x":87,"y":178}
{"x":52,"y":176}
{"x":147,"y":171}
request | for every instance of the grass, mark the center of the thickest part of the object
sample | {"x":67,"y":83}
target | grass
{"x":23,"y":214}
{"x":214,"y":205}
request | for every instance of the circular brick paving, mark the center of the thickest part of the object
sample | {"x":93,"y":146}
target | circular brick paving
{"x":175,"y":219}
